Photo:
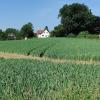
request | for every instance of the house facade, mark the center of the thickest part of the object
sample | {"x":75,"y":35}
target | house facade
{"x":42,"y":33}
{"x":11,"y":36}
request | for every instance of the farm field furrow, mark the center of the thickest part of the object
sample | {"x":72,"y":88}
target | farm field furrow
{"x":62,"y":48}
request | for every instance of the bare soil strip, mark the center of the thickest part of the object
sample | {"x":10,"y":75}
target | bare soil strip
{"x":20,"y":56}
{"x":14,"y":55}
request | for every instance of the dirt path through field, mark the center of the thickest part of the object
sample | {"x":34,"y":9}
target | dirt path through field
{"x":20,"y":56}
{"x":14,"y":55}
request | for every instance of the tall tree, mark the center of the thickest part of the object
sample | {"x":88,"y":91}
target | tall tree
{"x":95,"y":27}
{"x":76,"y":17}
{"x":58,"y":31}
{"x":3,"y":35}
{"x":27,"y":30}
{"x":11,"y":30}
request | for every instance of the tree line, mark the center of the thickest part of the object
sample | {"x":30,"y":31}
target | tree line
{"x":27,"y":30}
{"x":76,"y":18}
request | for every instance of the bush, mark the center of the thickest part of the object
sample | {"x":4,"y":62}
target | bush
{"x":92,"y":36}
{"x":83,"y":34}
{"x":71,"y":35}
{"x":86,"y":34}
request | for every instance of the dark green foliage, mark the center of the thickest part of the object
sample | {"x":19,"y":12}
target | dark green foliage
{"x":86,"y":34}
{"x":83,"y":34}
{"x":58,"y":31}
{"x":27,"y":30}
{"x":76,"y":17}
{"x":3,"y":35}
{"x":11,"y":31}
{"x":71,"y":35}
{"x":95,"y":27}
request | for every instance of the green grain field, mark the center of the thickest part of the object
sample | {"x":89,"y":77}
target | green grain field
{"x":42,"y":80}
{"x":28,"y":79}
{"x":63,"y":48}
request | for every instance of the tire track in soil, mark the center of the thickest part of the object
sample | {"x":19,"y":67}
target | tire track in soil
{"x":20,"y":56}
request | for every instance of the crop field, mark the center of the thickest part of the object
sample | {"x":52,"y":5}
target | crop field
{"x":42,"y":80}
{"x":63,"y":48}
{"x":50,"y":79}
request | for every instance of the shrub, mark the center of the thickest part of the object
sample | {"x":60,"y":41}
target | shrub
{"x":83,"y":34}
{"x":94,"y":36}
{"x":71,"y":35}
{"x":86,"y":34}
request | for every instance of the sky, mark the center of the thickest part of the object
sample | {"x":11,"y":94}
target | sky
{"x":41,"y":13}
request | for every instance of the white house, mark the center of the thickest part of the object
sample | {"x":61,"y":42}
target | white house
{"x":42,"y":33}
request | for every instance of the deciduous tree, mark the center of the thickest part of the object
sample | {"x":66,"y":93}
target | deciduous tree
{"x":27,"y":30}
{"x":76,"y":17}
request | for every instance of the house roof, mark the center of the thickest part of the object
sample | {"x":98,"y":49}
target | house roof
{"x":39,"y":32}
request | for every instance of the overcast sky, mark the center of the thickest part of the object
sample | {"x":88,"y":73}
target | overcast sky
{"x":15,"y":13}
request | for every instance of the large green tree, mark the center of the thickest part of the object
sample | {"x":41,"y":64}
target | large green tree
{"x":3,"y":35}
{"x":27,"y":30}
{"x":58,"y":31}
{"x":11,"y":30}
{"x":76,"y":17}
{"x":95,"y":27}
{"x":14,"y":31}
